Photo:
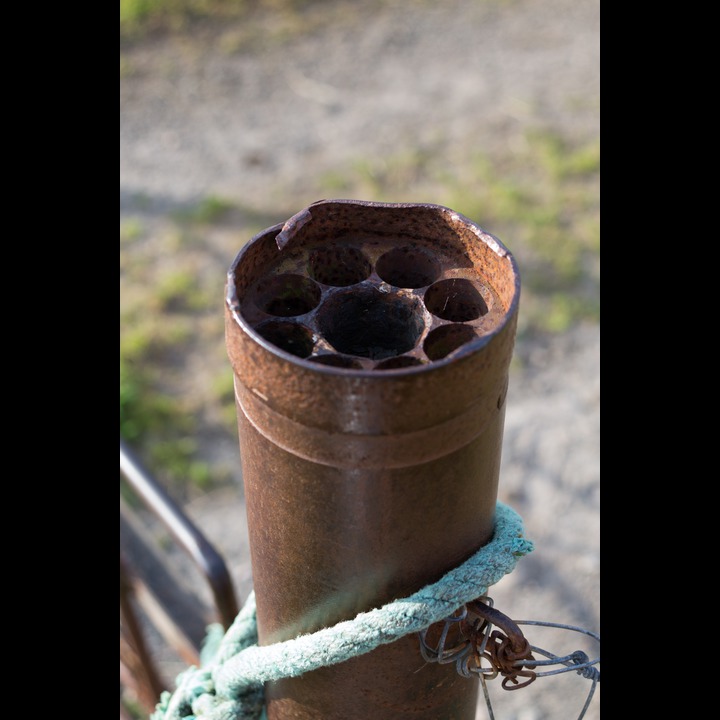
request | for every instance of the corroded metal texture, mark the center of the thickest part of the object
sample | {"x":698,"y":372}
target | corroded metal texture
{"x":370,"y":345}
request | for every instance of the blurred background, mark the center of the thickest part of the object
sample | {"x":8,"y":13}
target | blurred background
{"x":235,"y":115}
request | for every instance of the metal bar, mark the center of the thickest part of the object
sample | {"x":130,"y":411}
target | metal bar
{"x":370,"y":345}
{"x":134,"y":655}
{"x":207,"y":559}
{"x":166,"y":597}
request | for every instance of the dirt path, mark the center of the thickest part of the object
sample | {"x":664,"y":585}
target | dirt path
{"x":457,"y":75}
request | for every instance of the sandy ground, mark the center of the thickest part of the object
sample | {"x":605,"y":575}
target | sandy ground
{"x":254,"y":124}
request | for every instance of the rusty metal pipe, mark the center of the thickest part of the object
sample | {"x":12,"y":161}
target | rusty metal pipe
{"x":370,"y":345}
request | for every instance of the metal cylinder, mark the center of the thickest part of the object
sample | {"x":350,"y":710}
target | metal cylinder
{"x":370,"y":345}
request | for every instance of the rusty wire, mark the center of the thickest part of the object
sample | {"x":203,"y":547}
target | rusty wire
{"x":473,"y":642}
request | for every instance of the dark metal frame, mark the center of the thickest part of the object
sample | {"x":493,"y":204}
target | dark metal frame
{"x":137,"y":667}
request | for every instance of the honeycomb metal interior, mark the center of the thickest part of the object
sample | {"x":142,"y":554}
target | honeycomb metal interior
{"x":371,"y":302}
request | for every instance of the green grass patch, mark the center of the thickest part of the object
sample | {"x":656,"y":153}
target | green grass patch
{"x":165,"y":304}
{"x":159,"y":426}
{"x":180,"y":291}
{"x":130,"y":230}
{"x":139,"y":16}
{"x":207,"y":211}
{"x":223,"y":389}
{"x":242,"y":21}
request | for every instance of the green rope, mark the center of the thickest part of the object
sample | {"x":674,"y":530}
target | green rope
{"x":228,"y":685}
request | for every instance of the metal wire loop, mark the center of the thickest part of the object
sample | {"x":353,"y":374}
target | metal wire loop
{"x":505,"y":649}
{"x":577,"y":661}
{"x":439,"y":653}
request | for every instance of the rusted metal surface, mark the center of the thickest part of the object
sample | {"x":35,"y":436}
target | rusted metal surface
{"x":467,"y":638}
{"x":370,"y":345}
{"x":506,"y":648}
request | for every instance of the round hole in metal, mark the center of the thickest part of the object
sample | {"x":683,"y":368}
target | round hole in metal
{"x":287,"y":295}
{"x":338,"y":265}
{"x":402,"y":361}
{"x":369,"y":323}
{"x":455,"y":299}
{"x":446,"y":339}
{"x":408,"y":267}
{"x":288,"y":336}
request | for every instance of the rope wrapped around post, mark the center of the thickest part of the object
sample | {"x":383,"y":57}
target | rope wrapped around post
{"x":228,"y":685}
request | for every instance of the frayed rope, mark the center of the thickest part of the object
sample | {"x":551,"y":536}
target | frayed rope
{"x":228,"y":685}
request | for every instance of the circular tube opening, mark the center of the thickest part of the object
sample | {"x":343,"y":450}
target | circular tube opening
{"x":371,"y":324}
{"x":287,"y":295}
{"x":408,"y":267}
{"x":456,"y":299}
{"x":447,"y":338}
{"x":339,"y":265}
{"x":288,"y":336}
